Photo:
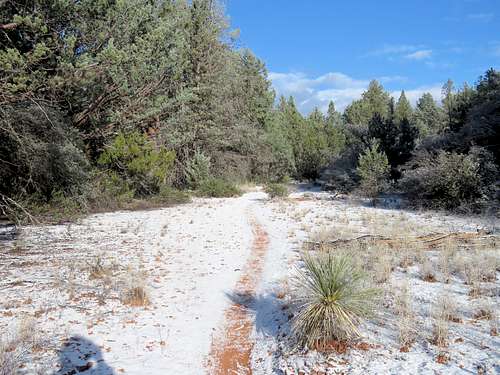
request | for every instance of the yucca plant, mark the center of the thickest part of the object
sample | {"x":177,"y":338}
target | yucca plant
{"x":332,"y":300}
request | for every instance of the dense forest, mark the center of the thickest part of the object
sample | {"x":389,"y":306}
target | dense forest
{"x":104,"y":102}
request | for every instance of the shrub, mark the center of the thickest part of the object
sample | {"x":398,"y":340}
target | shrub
{"x":109,"y":192}
{"x":39,"y":157}
{"x":197,"y":170}
{"x":169,"y":195}
{"x":139,"y":162}
{"x":449,"y":180}
{"x":218,"y":188}
{"x":276,"y":190}
{"x":333,"y":300}
{"x":373,"y":169}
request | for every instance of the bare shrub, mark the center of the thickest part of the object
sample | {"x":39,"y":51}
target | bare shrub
{"x":494,"y":322}
{"x":440,"y":332}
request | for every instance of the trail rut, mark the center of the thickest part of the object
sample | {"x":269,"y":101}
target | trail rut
{"x":231,"y":350}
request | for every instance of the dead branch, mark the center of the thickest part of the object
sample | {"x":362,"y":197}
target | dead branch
{"x":431,"y":241}
{"x":9,"y":202}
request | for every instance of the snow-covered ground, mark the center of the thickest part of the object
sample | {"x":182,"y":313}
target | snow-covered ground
{"x":189,"y":258}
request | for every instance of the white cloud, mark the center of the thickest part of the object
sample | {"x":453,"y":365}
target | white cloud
{"x":420,"y":54}
{"x":311,"y":92}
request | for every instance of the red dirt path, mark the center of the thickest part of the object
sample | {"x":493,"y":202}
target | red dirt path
{"x":230,"y":353}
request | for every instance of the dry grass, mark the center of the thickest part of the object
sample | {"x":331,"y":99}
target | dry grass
{"x":410,"y":252}
{"x":485,"y":310}
{"x":440,"y":332}
{"x":382,"y":267}
{"x":136,"y":297}
{"x":322,"y":236}
{"x":16,"y":347}
{"x":445,"y":258}
{"x":428,"y":271}
{"x":98,"y":270}
{"x":406,"y":322}
{"x":447,"y":308}
{"x":443,"y":311}
{"x":135,"y":292}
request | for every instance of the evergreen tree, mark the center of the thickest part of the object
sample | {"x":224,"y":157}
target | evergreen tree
{"x":429,"y":118}
{"x":375,"y":100}
{"x":333,"y":117}
{"x":448,"y":94}
{"x":403,"y":109}
{"x":373,"y":170}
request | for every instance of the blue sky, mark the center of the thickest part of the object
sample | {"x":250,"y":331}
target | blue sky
{"x":318,"y":50}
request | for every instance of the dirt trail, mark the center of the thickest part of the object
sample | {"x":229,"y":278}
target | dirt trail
{"x":230,"y":352}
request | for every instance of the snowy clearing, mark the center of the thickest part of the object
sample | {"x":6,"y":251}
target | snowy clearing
{"x":71,"y":295}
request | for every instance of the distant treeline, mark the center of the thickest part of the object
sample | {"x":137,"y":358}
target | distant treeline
{"x":104,"y":101}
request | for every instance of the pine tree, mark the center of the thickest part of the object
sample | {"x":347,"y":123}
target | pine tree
{"x":429,"y":117}
{"x":373,"y":170}
{"x":448,"y":94}
{"x":375,"y":100}
{"x":403,"y":109}
{"x":333,"y":117}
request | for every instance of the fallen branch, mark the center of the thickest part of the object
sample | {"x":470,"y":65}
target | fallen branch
{"x":431,"y":241}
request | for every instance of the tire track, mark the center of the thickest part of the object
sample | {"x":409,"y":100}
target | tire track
{"x":230,"y":352}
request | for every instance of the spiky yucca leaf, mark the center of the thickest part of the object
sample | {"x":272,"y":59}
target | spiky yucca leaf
{"x":333,"y":299}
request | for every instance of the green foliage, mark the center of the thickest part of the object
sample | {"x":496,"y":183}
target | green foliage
{"x":144,"y":166}
{"x":197,"y":169}
{"x":39,"y":154}
{"x":110,"y":191}
{"x":187,"y":105}
{"x":276,"y":190}
{"x":375,"y":100}
{"x":373,"y":170}
{"x":169,"y":195}
{"x":429,"y":118}
{"x":217,"y":188}
{"x":333,"y":299}
{"x":449,"y":180}
{"x":403,"y":110}
{"x":305,"y":145}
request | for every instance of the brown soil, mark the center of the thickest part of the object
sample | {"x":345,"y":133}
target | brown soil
{"x":230,"y":353}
